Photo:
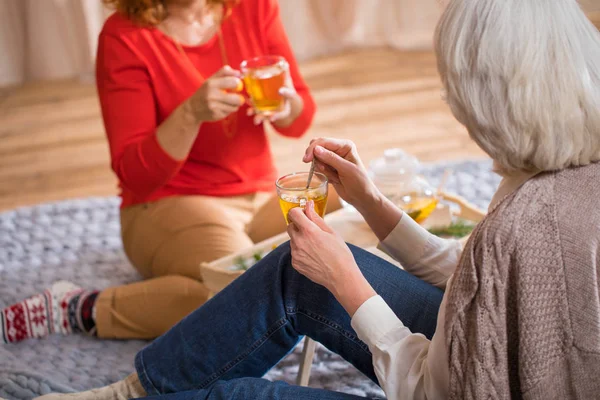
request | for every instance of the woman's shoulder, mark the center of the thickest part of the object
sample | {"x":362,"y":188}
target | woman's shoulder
{"x":556,"y":205}
{"x":579,"y":178}
{"x":119,"y":25}
{"x":577,"y":201}
{"x":573,"y":193}
{"x":528,"y":209}
{"x":123,"y":36}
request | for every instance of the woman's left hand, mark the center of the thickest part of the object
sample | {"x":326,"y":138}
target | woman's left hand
{"x":292,"y":106}
{"x":322,"y":256}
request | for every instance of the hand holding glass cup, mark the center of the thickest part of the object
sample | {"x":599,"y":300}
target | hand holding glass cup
{"x":264,"y":79}
{"x":292,"y":192}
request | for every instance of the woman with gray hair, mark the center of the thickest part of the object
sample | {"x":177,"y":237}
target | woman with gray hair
{"x":515,"y":314}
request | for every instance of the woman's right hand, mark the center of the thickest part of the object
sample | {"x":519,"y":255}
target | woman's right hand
{"x":213,"y":101}
{"x":338,"y":159}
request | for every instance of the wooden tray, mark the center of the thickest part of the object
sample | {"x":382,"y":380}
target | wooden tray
{"x":220,"y":273}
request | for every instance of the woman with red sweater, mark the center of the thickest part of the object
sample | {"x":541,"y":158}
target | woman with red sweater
{"x":195,"y":169}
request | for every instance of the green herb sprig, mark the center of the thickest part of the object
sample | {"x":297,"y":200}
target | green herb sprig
{"x":243,"y":264}
{"x":457,"y":229}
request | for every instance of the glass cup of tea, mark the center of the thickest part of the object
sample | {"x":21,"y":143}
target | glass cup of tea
{"x":292,"y":192}
{"x":263,"y":77}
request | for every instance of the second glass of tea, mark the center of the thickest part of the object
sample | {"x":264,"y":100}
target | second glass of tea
{"x":292,"y":192}
{"x":263,"y":77}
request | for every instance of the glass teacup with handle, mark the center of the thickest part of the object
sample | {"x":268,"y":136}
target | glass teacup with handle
{"x":292,"y":192}
{"x":263,"y":77}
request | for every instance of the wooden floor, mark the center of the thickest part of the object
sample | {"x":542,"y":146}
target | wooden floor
{"x":52,"y":143}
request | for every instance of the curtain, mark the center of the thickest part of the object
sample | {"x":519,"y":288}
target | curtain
{"x":48,"y":39}
{"x":53,"y":39}
{"x":318,"y":27}
{"x":12,"y":42}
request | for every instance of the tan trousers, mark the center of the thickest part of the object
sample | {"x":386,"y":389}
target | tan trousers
{"x":166,"y":241}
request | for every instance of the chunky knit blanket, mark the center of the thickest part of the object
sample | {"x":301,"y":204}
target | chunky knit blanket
{"x":79,"y":241}
{"x":523,"y":315}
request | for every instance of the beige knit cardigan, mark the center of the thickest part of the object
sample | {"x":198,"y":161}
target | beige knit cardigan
{"x":523,"y":313}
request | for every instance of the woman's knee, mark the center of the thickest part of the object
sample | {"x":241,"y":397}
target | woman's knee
{"x":276,"y":266}
{"x":283,"y":250}
{"x":174,"y":235}
{"x":183,"y":253}
{"x":278,"y":258}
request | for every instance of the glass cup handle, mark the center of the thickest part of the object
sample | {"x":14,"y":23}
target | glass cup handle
{"x":303,"y":202}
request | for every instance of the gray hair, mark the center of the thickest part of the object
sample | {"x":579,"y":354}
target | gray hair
{"x":523,"y":76}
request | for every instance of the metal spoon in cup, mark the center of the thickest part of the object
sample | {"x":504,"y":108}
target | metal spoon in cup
{"x":311,"y":172}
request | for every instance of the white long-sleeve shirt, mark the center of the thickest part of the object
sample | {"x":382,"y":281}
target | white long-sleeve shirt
{"x":408,"y":365}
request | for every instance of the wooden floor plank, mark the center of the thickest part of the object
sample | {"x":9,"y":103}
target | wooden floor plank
{"x":52,"y":143}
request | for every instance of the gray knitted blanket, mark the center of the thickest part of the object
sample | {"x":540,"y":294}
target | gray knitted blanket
{"x":78,"y":241}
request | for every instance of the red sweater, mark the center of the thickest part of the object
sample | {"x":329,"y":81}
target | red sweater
{"x":142,"y":78}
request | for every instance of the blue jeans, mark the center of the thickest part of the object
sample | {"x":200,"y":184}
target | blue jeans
{"x":221,"y":350}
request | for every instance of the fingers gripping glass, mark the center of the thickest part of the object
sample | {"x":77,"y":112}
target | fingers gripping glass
{"x":263,"y":77}
{"x":292,"y":192}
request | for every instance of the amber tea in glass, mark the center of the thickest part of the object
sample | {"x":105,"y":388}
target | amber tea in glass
{"x":292,"y":192}
{"x":263,"y":77}
{"x":418,"y":206}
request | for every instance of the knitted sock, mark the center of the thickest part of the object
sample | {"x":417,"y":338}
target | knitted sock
{"x":64,"y":308}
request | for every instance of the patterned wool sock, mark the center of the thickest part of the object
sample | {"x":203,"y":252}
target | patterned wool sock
{"x":64,"y":308}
